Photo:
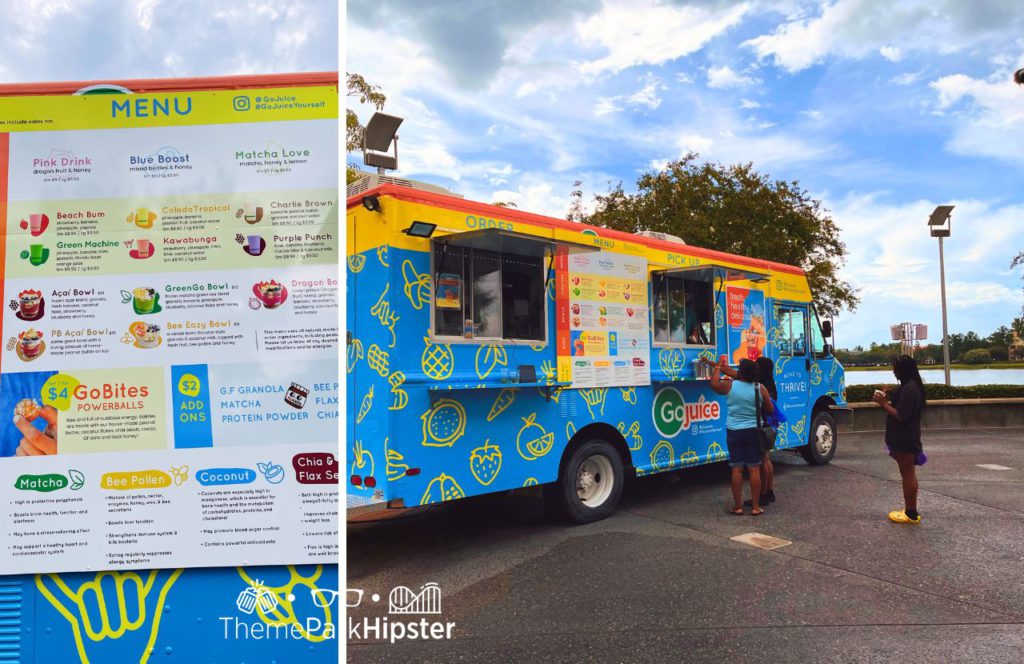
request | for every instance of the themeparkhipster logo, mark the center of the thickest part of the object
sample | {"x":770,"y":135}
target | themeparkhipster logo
{"x":672,"y":414}
{"x":403,"y":603}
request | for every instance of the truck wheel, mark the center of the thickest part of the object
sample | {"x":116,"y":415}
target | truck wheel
{"x":822,"y":439}
{"x":590,"y":484}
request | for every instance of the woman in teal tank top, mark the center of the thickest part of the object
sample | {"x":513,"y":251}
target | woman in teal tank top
{"x":741,"y":430}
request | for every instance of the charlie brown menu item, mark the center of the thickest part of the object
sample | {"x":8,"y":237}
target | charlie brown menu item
{"x":169,"y":342}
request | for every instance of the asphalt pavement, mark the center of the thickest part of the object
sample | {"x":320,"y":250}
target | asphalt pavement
{"x":661,"y":580}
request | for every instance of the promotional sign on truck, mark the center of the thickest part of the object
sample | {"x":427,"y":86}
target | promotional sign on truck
{"x":168,"y":350}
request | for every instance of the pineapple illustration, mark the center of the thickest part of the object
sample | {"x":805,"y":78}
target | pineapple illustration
{"x":437,"y":360}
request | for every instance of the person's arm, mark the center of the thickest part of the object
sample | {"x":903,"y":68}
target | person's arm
{"x":766,"y":402}
{"x":717,"y":384}
{"x":883,"y":401}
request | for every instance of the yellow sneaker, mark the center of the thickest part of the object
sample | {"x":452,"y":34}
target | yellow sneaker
{"x":900,"y":516}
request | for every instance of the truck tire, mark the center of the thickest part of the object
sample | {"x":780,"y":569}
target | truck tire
{"x":821,"y":439}
{"x":590,"y":483}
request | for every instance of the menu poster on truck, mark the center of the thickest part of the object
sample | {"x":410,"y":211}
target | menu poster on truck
{"x":169,"y":334}
{"x":745,"y":317}
{"x":609,"y":342}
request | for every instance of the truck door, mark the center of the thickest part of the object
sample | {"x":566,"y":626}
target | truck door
{"x":792,"y":371}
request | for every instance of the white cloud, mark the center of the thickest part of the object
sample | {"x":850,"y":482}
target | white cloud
{"x":813,"y":114}
{"x":907,"y":78}
{"x":860,"y":28}
{"x":536,"y":197}
{"x":635,"y":32}
{"x":748,"y":103}
{"x":891,"y":53}
{"x":725,"y":77}
{"x":646,"y":97}
{"x":684,"y":78}
{"x":988,"y":115}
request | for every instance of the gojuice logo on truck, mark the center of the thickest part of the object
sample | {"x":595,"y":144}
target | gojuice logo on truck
{"x":671,"y":414}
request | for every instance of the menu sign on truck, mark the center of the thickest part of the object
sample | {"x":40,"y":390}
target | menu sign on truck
{"x":169,"y":329}
{"x":606,"y":319}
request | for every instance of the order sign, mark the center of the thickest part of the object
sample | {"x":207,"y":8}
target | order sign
{"x":169,"y":330}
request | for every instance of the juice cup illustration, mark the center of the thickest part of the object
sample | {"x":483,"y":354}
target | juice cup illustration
{"x":28,"y":302}
{"x":142,"y":219}
{"x":255,"y":244}
{"x":144,"y":299}
{"x":35,"y":253}
{"x":35,"y":224}
{"x":252,"y":213}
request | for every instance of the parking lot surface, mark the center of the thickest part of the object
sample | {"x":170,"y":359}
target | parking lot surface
{"x":661,"y":580}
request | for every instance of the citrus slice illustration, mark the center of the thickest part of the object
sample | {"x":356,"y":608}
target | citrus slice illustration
{"x":440,"y":489}
{"x":356,"y":263}
{"x":533,"y":441}
{"x":443,"y":424}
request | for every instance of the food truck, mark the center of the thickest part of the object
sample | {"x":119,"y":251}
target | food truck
{"x":491,"y":349}
{"x":168,"y":371}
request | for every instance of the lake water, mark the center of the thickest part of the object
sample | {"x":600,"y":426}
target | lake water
{"x":956,"y":377}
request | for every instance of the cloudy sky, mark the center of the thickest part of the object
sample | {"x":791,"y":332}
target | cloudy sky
{"x":61,"y":40}
{"x":881,"y":110}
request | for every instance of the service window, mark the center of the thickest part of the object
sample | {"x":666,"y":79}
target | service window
{"x":488,"y":295}
{"x":791,"y":336}
{"x":683,"y":311}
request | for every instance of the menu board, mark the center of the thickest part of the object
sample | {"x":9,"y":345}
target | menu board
{"x":746,"y":316}
{"x":607,"y":340}
{"x":168,"y":369}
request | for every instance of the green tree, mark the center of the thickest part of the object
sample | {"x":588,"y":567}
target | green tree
{"x":740,"y":211}
{"x":977,"y":356}
{"x":1003,"y":336}
{"x":366,"y":93}
{"x":999,"y":353}
{"x":1018,"y":326}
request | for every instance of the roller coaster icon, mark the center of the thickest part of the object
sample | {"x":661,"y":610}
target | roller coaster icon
{"x":402,"y":600}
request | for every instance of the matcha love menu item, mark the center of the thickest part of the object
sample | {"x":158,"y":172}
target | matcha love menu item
{"x":170,"y":340}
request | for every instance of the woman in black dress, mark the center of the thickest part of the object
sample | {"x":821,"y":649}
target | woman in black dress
{"x":903,"y":432}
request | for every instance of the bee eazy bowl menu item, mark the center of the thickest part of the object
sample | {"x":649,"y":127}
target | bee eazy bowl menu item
{"x":169,"y":332}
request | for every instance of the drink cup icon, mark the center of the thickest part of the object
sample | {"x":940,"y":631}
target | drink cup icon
{"x":255,"y":244}
{"x":142,"y":219}
{"x":252,"y":213}
{"x":35,"y":223}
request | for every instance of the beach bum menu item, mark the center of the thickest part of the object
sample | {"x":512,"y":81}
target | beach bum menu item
{"x":602,"y":319}
{"x":745,"y":317}
{"x":169,"y":334}
{"x":159,"y":509}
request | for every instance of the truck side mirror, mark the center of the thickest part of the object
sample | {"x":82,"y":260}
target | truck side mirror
{"x":828,"y":350}
{"x":826,"y":329}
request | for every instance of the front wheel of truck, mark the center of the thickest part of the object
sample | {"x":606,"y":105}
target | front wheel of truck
{"x":822,"y":439}
{"x":590,"y":483}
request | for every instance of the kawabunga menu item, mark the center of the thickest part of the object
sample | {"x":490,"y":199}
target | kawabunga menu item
{"x":169,"y":334}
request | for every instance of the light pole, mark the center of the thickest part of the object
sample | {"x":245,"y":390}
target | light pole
{"x":940,"y":223}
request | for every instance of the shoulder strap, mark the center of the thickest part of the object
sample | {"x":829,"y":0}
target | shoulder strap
{"x":757,"y":403}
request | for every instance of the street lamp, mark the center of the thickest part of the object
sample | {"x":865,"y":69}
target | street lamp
{"x":940,"y":223}
{"x":379,"y":137}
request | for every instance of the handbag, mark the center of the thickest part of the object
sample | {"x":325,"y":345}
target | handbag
{"x":765,"y":434}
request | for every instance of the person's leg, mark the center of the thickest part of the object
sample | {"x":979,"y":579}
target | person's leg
{"x":908,"y":473}
{"x":755,"y":487}
{"x":767,"y":476}
{"x":737,"y":487}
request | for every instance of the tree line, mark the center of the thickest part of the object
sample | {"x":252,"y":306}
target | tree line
{"x":967,"y":348}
